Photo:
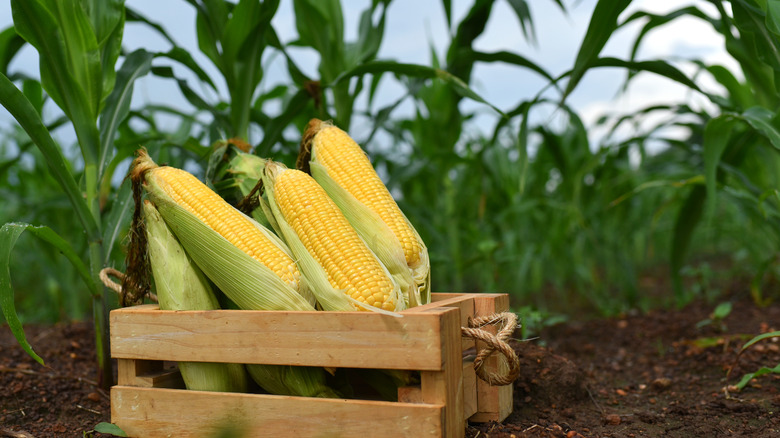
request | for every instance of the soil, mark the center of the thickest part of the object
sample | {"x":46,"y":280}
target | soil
{"x":654,"y":374}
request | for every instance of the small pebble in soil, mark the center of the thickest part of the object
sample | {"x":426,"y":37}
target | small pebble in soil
{"x":661,"y":383}
{"x":94,"y":396}
{"x":612,"y":419}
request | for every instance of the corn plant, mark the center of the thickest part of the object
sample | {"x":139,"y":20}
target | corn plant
{"x":78,"y":43}
{"x":733,"y":151}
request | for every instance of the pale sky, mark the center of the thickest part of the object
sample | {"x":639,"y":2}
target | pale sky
{"x":413,"y":26}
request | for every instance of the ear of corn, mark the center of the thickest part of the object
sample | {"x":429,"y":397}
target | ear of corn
{"x":181,"y":286}
{"x":199,"y":223}
{"x":343,"y":272}
{"x":343,"y":169}
{"x":247,"y":262}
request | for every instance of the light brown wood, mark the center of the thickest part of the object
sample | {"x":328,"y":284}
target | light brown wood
{"x":464,"y":302}
{"x":153,"y":413}
{"x":446,"y":386}
{"x":426,"y":339}
{"x":333,"y":339}
{"x":494,"y":402}
{"x":413,"y":394}
{"x":147,"y":374}
{"x":410,"y":394}
{"x":470,"y":402}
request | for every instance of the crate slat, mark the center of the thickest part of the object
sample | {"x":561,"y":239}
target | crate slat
{"x":333,"y":339}
{"x":147,"y":412}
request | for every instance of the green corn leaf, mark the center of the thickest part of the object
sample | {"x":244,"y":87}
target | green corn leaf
{"x":10,"y":44}
{"x":750,"y":376}
{"x":602,"y":24}
{"x":759,"y":338}
{"x":661,"y":68}
{"x":108,"y":24}
{"x":34,"y":93}
{"x":133,"y":15}
{"x":272,"y":132}
{"x":111,"y":429}
{"x":136,"y":65}
{"x":25,"y":114}
{"x":184,"y":57}
{"x":653,"y":21}
{"x":765,"y":122}
{"x":687,"y":219}
{"x":716,"y":138}
{"x":523,"y":13}
{"x":514,"y":59}
{"x":9,"y":234}
{"x":118,"y":218}
{"x":447,"y":4}
{"x":414,"y":70}
{"x":66,"y":69}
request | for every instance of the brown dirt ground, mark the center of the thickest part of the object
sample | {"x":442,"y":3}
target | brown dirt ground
{"x":651,"y":375}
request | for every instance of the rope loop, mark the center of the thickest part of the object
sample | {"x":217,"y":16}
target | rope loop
{"x":105,"y":277}
{"x":494,"y":342}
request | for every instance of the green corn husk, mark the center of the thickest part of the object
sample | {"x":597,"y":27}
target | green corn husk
{"x":236,"y":175}
{"x":181,"y":286}
{"x":247,"y":282}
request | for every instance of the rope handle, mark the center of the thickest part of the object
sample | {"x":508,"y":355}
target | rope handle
{"x":105,"y":277}
{"x":497,"y":342}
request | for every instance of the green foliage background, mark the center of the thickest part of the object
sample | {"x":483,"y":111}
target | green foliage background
{"x":531,"y":208}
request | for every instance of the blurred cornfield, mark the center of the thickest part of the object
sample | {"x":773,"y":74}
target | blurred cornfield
{"x":667,"y":204}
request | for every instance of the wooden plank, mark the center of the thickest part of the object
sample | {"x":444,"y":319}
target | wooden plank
{"x":494,"y":402}
{"x":152,"y":413}
{"x":446,"y":386}
{"x":413,"y":394}
{"x":470,"y":402}
{"x":147,"y":374}
{"x":333,"y":339}
{"x":464,"y":302}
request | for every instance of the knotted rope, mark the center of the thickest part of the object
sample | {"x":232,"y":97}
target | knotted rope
{"x":494,"y":342}
{"x":105,"y":277}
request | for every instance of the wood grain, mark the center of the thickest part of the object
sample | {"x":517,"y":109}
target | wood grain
{"x":152,"y":413}
{"x":333,"y":339}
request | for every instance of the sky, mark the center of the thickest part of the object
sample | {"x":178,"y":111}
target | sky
{"x":416,"y":27}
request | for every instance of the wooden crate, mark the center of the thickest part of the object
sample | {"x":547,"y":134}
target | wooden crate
{"x":149,"y":401}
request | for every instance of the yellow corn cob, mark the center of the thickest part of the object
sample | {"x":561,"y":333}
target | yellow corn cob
{"x":193,"y":195}
{"x":349,"y":166}
{"x":194,"y":215}
{"x":203,"y":222}
{"x":328,"y":236}
{"x":341,"y":167}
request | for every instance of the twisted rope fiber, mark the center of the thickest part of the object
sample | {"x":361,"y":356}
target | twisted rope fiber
{"x":497,"y":342}
{"x":105,"y":277}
